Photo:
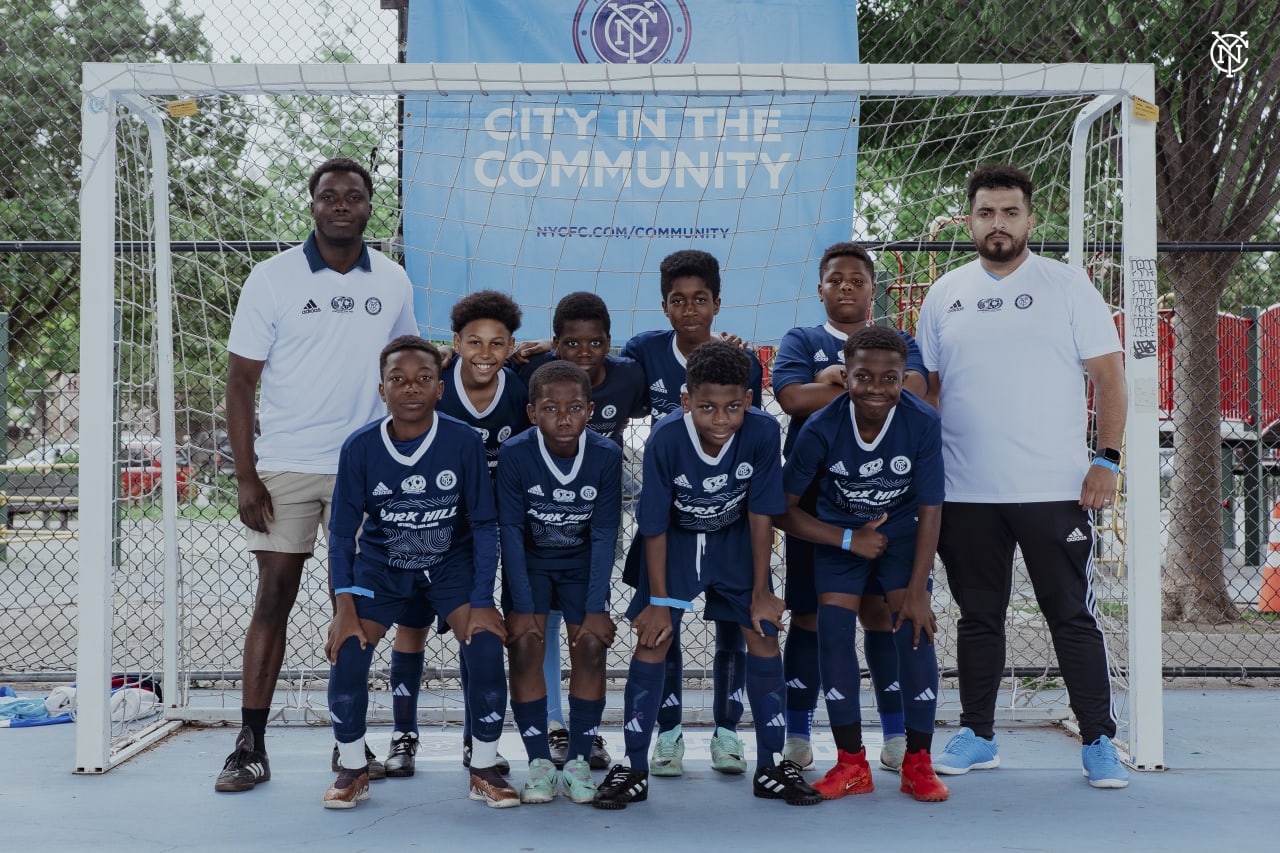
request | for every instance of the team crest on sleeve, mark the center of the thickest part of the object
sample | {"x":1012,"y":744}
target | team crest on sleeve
{"x":716,"y":483}
{"x":446,"y":479}
{"x":609,"y":411}
{"x":900,"y":465}
{"x":503,"y":434}
{"x":744,"y":471}
{"x":588,"y":493}
{"x":417,"y":484}
{"x":870,"y":469}
{"x":563,"y":495}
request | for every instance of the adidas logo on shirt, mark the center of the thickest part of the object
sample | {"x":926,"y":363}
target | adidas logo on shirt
{"x":820,"y":355}
{"x":659,"y":387}
{"x":381,"y":490}
{"x":1076,"y":536}
{"x":536,"y":489}
{"x":833,"y":694}
{"x":311,"y":307}
{"x":955,"y":306}
{"x":682,"y":480}
{"x":927,"y":696}
{"x":839,"y":468}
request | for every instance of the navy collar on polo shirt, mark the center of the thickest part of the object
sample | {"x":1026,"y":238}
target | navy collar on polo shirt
{"x":317,"y":263}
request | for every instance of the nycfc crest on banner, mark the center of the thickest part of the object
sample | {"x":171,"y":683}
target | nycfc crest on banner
{"x":539,"y":195}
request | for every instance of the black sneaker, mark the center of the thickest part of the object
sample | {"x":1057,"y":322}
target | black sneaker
{"x":622,"y":785}
{"x":245,"y":767}
{"x":504,"y":766}
{"x":376,"y":770}
{"x":400,"y":759}
{"x":784,"y":782}
{"x":558,"y":740}
{"x":599,"y":758}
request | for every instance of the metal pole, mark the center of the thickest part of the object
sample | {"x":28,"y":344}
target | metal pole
{"x":1255,"y":512}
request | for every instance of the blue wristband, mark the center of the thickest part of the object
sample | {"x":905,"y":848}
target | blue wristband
{"x":1106,"y":463}
{"x":672,"y":602}
{"x":847,"y":540}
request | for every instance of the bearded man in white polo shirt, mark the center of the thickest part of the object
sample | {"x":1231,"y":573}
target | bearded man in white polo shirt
{"x":309,"y":326}
{"x":1008,"y":339}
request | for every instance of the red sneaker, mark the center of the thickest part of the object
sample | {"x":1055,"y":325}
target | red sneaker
{"x":851,"y":775}
{"x":919,"y":780}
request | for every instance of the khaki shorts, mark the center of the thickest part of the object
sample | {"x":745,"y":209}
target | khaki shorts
{"x":301,"y":503}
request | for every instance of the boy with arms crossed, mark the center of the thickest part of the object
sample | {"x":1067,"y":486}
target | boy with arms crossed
{"x":878,"y":452}
{"x":414,"y":487}
{"x":559,"y":507}
{"x":712,"y":478}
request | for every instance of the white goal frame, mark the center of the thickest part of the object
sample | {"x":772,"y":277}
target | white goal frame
{"x":107,"y":87}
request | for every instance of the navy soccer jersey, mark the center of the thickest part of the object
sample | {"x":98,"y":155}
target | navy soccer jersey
{"x":557,"y":512}
{"x":702,"y":503}
{"x":664,"y":369}
{"x":506,"y":415}
{"x":623,"y":394}
{"x":898,"y":471}
{"x":806,"y":351}
{"x":419,"y":506}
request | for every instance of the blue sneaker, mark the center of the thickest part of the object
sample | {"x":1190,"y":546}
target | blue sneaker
{"x":1102,"y":765}
{"x":964,"y":752}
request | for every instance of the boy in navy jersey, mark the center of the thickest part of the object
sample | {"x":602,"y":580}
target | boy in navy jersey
{"x":487,"y":396}
{"x":413,"y":486}
{"x":581,"y":326}
{"x":712,"y":478}
{"x":559,"y":507}
{"x":808,"y":373}
{"x":690,"y":283}
{"x":878,"y":454}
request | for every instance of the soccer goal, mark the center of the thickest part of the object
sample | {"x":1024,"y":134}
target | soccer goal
{"x":530,"y":179}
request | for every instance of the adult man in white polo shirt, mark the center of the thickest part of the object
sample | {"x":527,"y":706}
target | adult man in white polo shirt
{"x":309,"y":325}
{"x":1008,"y":339}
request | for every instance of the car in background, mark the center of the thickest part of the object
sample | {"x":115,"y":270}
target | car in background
{"x":48,"y":454}
{"x":141,"y":473}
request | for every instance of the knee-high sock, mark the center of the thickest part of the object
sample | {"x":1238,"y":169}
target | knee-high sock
{"x":466,"y":701}
{"x":671,"y":710}
{"x":551,"y":668}
{"x":641,"y":699}
{"x":841,"y":676}
{"x":406,"y":682}
{"x":803,"y":675}
{"x":767,"y":692}
{"x":486,"y":686}
{"x":531,"y":722}
{"x":882,"y":662}
{"x":729,"y":675}
{"x":349,"y":691}
{"x":918,"y":672}
{"x":584,"y":724}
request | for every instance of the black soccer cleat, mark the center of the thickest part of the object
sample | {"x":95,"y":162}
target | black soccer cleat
{"x":401,"y":759}
{"x":558,"y":741}
{"x":784,"y":782}
{"x":621,"y":786}
{"x":245,"y":767}
{"x":599,"y":757}
{"x":504,"y":766}
{"x":376,"y":769}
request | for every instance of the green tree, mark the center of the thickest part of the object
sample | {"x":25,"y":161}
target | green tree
{"x":1217,"y":159}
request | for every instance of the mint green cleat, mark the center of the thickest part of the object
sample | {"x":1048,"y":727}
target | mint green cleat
{"x":668,"y":754}
{"x":540,"y":784}
{"x":579,"y":787}
{"x":727,"y":753}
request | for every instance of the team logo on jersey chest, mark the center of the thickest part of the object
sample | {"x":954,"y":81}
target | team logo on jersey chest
{"x":414,"y":485}
{"x":446,"y":479}
{"x":1024,"y":300}
{"x":373,"y":306}
{"x":504,"y":433}
{"x":716,"y":483}
{"x":563,"y":495}
{"x":484,"y":434}
{"x":870,"y":469}
{"x":588,"y":493}
{"x":900,"y":465}
{"x":342,"y":304}
{"x":744,"y":471}
{"x":995,"y":303}
{"x":609,"y":411}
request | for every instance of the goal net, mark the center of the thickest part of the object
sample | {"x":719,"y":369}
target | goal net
{"x":493,"y":177}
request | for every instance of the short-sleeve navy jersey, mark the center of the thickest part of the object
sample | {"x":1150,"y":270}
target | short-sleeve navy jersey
{"x":418,"y":505}
{"x":897,"y":472}
{"x":551,"y":517}
{"x":505,"y":417}
{"x":806,"y":351}
{"x":665,"y":367}
{"x":622,"y":395}
{"x":702,"y":503}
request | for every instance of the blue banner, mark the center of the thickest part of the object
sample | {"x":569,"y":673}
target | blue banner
{"x":542,"y":195}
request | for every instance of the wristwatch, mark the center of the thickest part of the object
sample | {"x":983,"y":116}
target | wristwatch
{"x":1108,"y":453}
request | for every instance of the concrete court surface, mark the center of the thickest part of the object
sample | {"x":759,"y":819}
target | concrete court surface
{"x":1221,"y":792}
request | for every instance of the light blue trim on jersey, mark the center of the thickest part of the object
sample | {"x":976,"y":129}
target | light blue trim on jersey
{"x":355,"y":590}
{"x":395,"y":454}
{"x":884,"y":429}
{"x":697,"y":442}
{"x":672,"y":602}
{"x":466,"y":401}
{"x":561,"y":477}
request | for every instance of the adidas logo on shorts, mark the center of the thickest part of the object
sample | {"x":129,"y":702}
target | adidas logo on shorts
{"x":1076,"y":536}
{"x":736,"y":697}
{"x":839,"y":468}
{"x":532,"y":731}
{"x":892,"y":688}
{"x":796,"y":684}
{"x":381,"y":490}
{"x":777,"y":721}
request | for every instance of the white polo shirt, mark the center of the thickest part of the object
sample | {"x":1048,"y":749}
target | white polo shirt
{"x":319,"y":332}
{"x":1009,"y":353}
